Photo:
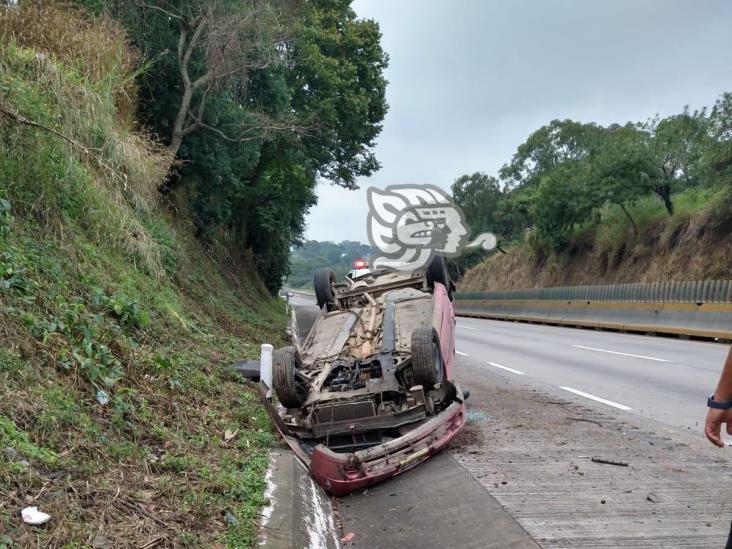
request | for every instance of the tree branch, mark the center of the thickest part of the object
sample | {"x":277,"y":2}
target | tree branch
{"x":245,"y":135}
{"x":18,"y":119}
{"x":181,"y":46}
{"x":198,"y":24}
{"x":146,"y":6}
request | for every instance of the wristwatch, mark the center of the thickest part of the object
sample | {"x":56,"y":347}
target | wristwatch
{"x":725,"y":405}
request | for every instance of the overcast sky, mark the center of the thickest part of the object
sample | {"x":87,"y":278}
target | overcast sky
{"x":470,"y":79}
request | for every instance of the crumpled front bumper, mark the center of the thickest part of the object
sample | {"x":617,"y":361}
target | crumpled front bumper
{"x":341,"y":473}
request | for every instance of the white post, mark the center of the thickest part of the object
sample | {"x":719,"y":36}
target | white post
{"x":265,"y":367}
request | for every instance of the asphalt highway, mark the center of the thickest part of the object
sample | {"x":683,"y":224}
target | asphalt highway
{"x":667,"y":380}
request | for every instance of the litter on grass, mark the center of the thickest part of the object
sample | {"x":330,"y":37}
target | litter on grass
{"x":34,"y":517}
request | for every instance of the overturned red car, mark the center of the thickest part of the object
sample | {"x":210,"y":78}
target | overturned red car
{"x":367,"y":390}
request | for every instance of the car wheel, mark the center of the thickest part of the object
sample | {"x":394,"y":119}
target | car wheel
{"x":290,"y":391}
{"x":427,"y":364}
{"x":324,"y":282}
{"x":437,"y":272}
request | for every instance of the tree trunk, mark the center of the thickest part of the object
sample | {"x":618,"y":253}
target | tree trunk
{"x":664,"y":191}
{"x":630,"y":218}
{"x":177,"y":138}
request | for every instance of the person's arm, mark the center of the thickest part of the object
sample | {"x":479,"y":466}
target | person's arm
{"x":715,"y":417}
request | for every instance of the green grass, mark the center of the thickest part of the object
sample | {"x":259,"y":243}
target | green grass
{"x":614,"y":229}
{"x":102,"y":290}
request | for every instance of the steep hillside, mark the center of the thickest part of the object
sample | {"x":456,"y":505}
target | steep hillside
{"x":693,"y":244}
{"x":117,"y":416}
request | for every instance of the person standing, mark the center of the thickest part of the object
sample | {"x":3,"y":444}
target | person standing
{"x":720,"y":406}
{"x":720,"y":411}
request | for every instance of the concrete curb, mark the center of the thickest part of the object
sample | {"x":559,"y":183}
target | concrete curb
{"x":299,"y":514}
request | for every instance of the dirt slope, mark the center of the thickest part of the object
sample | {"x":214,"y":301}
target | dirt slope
{"x":699,"y":247}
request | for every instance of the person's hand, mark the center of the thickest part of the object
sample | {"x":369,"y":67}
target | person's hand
{"x":713,"y":425}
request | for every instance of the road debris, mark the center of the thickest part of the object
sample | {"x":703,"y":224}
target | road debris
{"x":34,"y":517}
{"x":102,"y":397}
{"x":476,"y":416}
{"x":653,"y":498}
{"x":609,"y":462}
{"x":348,"y":537}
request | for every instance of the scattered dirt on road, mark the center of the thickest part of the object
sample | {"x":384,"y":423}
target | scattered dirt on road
{"x":535,"y":456}
{"x":467,"y":440}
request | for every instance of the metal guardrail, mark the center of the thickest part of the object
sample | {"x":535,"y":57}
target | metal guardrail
{"x":703,"y":291}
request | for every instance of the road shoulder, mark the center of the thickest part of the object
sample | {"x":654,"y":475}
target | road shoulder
{"x":648,"y":486}
{"x":433,"y":506}
{"x":299,"y":513}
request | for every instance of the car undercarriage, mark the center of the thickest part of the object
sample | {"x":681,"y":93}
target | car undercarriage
{"x":373,"y":370}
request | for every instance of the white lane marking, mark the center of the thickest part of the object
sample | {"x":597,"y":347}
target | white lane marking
{"x":517,"y":372}
{"x":597,"y":398}
{"x":621,"y":354}
{"x":466,"y":327}
{"x":461,"y":354}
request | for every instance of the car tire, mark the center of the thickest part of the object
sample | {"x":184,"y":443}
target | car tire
{"x":324,"y":281}
{"x":285,"y":363}
{"x":427,"y":364}
{"x":437,"y":272}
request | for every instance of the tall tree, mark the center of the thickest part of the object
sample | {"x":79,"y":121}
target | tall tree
{"x":716,"y":161}
{"x":675,"y":148}
{"x":478,"y":195}
{"x":337,"y":80}
{"x":619,"y":171}
{"x":546,"y":149}
{"x":218,"y":44}
{"x":259,"y":100}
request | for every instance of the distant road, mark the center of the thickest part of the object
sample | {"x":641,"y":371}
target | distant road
{"x":664,"y":379}
{"x":302,"y":300}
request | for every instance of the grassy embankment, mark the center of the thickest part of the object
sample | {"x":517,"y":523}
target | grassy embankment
{"x":102,"y":290}
{"x":693,"y":244}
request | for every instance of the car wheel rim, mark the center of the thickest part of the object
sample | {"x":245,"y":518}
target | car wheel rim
{"x":437,"y":360}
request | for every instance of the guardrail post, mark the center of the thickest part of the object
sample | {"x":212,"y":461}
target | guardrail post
{"x":685,"y":291}
{"x":714,"y":292}
{"x":706,"y":291}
